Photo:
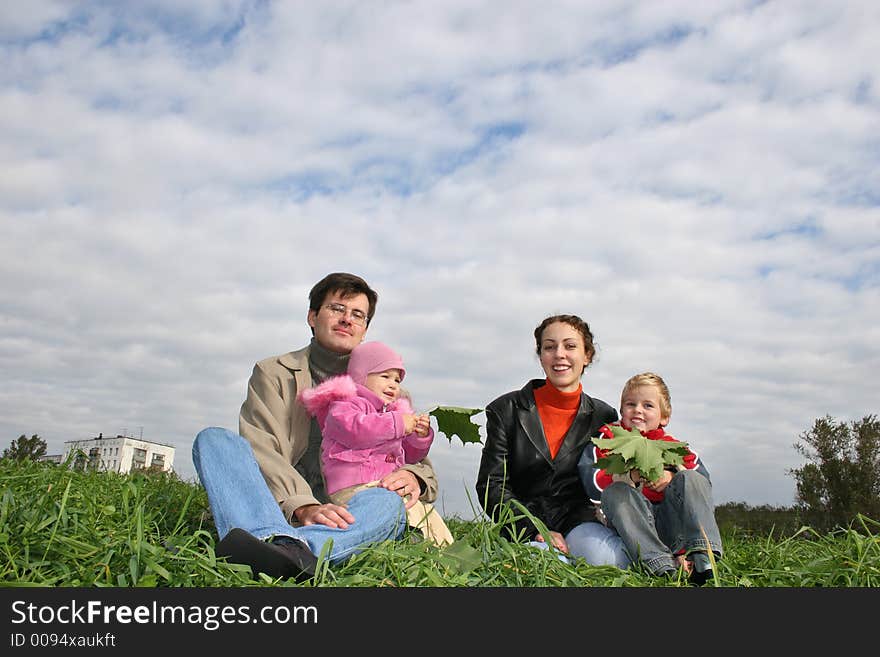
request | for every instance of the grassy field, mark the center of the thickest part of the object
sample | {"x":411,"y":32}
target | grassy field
{"x":64,"y":528}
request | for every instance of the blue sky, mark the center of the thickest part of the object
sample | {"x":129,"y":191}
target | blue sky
{"x":700,"y":183}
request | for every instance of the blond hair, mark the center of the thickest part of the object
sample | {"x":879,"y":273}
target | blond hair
{"x":650,"y":379}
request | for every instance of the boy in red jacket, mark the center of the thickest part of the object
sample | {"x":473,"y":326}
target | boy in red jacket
{"x":667,"y":523}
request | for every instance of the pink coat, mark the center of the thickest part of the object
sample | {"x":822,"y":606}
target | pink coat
{"x":362,"y":440}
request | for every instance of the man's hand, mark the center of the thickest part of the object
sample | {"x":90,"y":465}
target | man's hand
{"x":331,"y":515}
{"x":403,"y":482}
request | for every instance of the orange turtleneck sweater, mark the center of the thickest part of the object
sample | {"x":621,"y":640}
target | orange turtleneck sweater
{"x":556,"y":410}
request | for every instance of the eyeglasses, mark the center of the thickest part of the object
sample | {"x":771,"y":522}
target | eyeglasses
{"x":355,"y":316}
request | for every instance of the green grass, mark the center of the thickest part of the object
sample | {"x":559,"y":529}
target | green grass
{"x":64,"y":528}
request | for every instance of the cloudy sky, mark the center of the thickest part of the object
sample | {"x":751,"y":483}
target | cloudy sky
{"x":699,"y":181}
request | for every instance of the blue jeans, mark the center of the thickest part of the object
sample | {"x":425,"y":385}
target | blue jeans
{"x":239,"y":497}
{"x":596,"y":543}
{"x":653,"y":533}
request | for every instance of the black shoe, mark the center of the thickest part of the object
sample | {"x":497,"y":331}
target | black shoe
{"x":700,"y":577}
{"x":285,"y":557}
{"x":701,"y":569}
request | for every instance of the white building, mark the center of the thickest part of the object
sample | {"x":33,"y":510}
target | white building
{"x":119,"y":454}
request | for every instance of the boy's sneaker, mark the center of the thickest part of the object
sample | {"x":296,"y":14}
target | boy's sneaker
{"x":701,"y":568}
{"x":282,"y":557}
{"x":700,"y":577}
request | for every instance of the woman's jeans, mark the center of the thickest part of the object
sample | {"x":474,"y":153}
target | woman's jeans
{"x":595,"y":543}
{"x":239,"y":497}
{"x":683,"y":522}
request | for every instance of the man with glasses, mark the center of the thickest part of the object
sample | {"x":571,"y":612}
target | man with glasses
{"x":265,"y":486}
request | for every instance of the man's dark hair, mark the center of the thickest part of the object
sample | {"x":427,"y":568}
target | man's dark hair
{"x":348,"y":285}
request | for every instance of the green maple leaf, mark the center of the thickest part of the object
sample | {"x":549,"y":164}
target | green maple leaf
{"x":460,"y":557}
{"x":630,"y":450}
{"x":454,"y":420}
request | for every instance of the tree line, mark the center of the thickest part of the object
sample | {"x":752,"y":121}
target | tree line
{"x":25,"y":449}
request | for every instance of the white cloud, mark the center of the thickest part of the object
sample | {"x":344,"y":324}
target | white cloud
{"x":699,"y":183}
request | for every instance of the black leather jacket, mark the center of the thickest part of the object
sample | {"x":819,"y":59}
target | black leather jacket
{"x":516,"y":463}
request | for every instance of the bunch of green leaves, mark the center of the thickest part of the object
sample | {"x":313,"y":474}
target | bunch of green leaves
{"x":630,"y":450}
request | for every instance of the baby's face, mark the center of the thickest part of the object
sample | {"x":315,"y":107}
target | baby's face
{"x":385,"y":385}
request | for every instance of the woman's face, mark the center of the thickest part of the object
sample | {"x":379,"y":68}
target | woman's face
{"x":563,"y":356}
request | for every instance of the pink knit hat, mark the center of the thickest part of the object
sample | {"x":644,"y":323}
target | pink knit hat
{"x":372,"y":357}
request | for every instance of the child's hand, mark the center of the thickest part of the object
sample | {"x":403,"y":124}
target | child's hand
{"x":632,"y":478}
{"x":423,"y":425}
{"x":409,"y":423}
{"x":660,"y":483}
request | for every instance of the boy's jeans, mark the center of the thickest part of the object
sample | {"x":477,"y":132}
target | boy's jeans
{"x":653,"y":533}
{"x":239,"y":497}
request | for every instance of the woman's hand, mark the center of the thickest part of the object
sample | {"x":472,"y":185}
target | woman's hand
{"x":556,"y":540}
{"x":405,"y":484}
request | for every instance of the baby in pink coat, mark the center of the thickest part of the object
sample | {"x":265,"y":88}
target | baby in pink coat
{"x":369,"y":430}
